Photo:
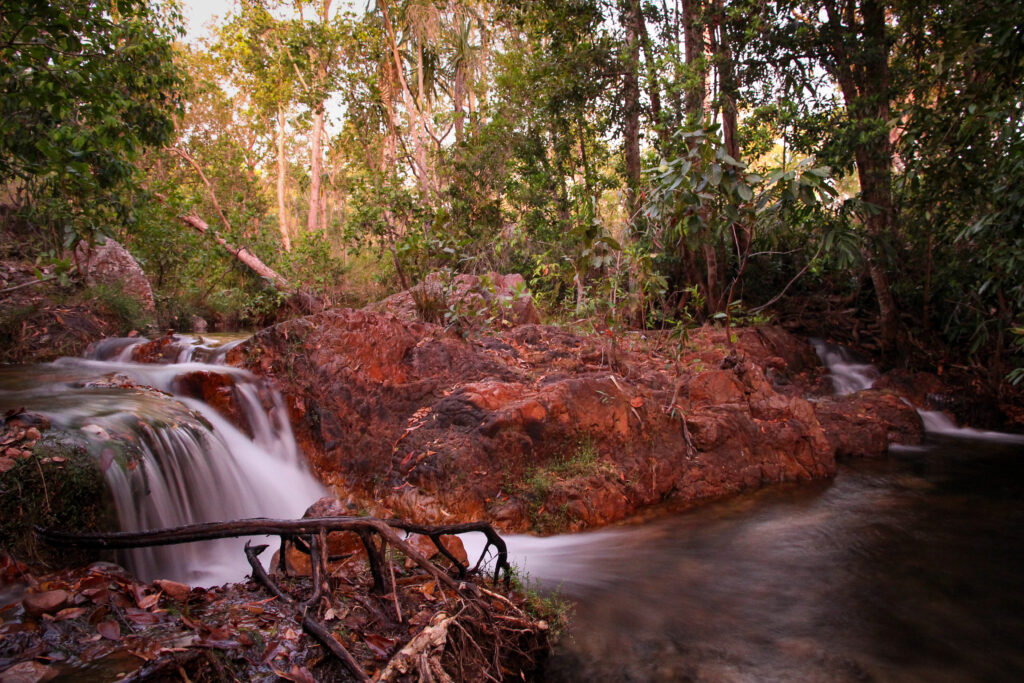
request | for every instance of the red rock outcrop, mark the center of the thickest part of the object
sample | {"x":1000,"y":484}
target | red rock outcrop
{"x":538,"y":427}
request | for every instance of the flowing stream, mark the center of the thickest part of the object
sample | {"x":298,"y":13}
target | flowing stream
{"x":170,"y":459}
{"x":906,"y":569}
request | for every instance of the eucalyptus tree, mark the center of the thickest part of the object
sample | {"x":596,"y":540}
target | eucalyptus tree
{"x":254,"y":53}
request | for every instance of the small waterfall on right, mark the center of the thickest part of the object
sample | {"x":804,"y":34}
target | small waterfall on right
{"x":850,"y":373}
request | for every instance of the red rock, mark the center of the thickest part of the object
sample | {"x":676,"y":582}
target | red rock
{"x":521,"y":427}
{"x":865,"y":423}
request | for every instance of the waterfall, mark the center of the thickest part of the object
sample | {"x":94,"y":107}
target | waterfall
{"x":850,"y":374}
{"x":171,"y":459}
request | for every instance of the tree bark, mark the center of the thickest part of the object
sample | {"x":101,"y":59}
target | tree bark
{"x":864,"y":81}
{"x":693,"y":35}
{"x":631,"y":108}
{"x":241,"y":253}
{"x":315,"y":169}
{"x":282,"y":172}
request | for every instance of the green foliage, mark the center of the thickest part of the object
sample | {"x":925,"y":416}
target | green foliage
{"x":59,"y":486}
{"x":84,"y":88}
{"x":127,"y":311}
{"x":707,"y":208}
{"x":542,"y":604}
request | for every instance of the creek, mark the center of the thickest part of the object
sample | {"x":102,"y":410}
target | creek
{"x":903,"y":569}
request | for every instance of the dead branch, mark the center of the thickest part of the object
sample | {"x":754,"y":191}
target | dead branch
{"x":241,"y":253}
{"x":423,"y":653}
{"x":312,"y":626}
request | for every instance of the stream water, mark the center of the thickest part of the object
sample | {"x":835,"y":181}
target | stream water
{"x":906,"y":569}
{"x":188,"y":463}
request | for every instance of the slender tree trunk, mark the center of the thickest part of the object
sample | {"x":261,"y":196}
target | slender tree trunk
{"x":282,"y":174}
{"x":458,"y":95}
{"x":693,"y":35}
{"x":864,"y":82}
{"x":653,"y":81}
{"x":416,"y":127}
{"x":631,"y":107}
{"x":315,"y":169}
{"x":726,"y":79}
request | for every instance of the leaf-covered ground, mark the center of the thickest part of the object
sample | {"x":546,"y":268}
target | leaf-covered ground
{"x":100,"y":623}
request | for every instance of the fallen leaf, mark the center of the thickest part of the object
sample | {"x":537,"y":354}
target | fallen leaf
{"x":141,"y":617}
{"x":636,"y":402}
{"x":178,"y":591}
{"x":70,"y":613}
{"x":48,"y":602}
{"x":6,"y":463}
{"x":148,"y":601}
{"x":109,"y":629}
{"x":379,"y":645}
{"x":299,"y":674}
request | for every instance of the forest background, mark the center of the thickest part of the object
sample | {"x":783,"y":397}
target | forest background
{"x":644,"y":164}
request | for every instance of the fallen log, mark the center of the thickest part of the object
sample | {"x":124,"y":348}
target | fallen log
{"x":286,"y":528}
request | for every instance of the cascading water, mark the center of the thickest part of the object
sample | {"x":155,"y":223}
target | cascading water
{"x":170,"y":459}
{"x":904,"y":568}
{"x":848,"y":372}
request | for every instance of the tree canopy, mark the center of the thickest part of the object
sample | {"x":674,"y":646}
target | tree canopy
{"x":653,"y":163}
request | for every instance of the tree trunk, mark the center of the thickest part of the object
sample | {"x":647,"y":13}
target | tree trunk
{"x":864,"y":82}
{"x":653,"y":82}
{"x":282,"y":173}
{"x":631,"y":107}
{"x":315,"y":169}
{"x":693,"y":34}
{"x":726,"y":80}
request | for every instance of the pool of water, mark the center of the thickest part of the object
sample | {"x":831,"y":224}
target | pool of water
{"x":906,"y":569}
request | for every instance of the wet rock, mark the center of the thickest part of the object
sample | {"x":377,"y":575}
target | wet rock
{"x":865,"y":423}
{"x":523,"y":427}
{"x":218,"y":391}
{"x":111,"y":264}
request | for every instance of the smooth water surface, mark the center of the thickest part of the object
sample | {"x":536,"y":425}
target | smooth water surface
{"x":908,"y":569}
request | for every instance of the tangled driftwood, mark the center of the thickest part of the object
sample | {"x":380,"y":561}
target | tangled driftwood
{"x":423,"y":652}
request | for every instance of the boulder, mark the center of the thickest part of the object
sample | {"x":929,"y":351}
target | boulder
{"x":110,"y":263}
{"x":865,"y":423}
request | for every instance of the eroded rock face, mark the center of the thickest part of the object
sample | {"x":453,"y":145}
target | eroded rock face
{"x":110,"y":263}
{"x":536,"y":427}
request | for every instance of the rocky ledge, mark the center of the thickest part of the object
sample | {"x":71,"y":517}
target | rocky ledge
{"x":541,"y":428}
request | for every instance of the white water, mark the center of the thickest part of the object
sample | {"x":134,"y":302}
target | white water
{"x":851,"y":374}
{"x":173,"y":460}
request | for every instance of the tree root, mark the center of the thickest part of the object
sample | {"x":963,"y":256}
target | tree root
{"x":479,"y":633}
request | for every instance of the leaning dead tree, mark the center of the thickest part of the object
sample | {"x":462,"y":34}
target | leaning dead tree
{"x":377,"y":536}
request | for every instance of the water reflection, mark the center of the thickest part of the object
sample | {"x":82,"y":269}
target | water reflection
{"x":906,"y":569}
